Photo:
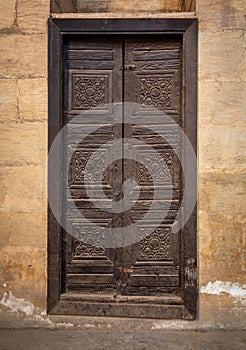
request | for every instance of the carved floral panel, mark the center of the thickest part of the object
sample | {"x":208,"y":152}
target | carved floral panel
{"x":164,"y":173}
{"x":155,"y":92}
{"x":94,"y":169}
{"x":91,"y":239}
{"x":156,"y":246}
{"x":89,"y":91}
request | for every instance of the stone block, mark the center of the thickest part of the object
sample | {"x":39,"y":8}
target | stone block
{"x":7,"y":13}
{"x":93,"y":6}
{"x":223,"y":193}
{"x":33,"y":99}
{"x":32,"y":15}
{"x":222,"y":103}
{"x":24,"y":229}
{"x":220,"y":15}
{"x":221,"y":242}
{"x":222,"y":147}
{"x":8,"y":99}
{"x":189,"y":5}
{"x":63,"y":6}
{"x":23,"y":188}
{"x":137,"y":5}
{"x":210,"y":273}
{"x":131,"y":6}
{"x":221,"y":311}
{"x":23,"y":144}
{"x":221,"y":56}
{"x":23,"y":55}
{"x":220,"y":300}
{"x":171,"y":5}
{"x":7,"y":54}
{"x":24,"y":273}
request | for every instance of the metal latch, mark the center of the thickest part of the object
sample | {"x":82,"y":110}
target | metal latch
{"x":130,"y":67}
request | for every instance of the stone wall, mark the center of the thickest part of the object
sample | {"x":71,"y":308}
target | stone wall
{"x":222,"y":150}
{"x":131,"y":5}
{"x":23,"y":160}
{"x":222,"y":154}
{"x":61,"y":6}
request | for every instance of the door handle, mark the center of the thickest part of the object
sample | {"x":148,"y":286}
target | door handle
{"x":130,"y":67}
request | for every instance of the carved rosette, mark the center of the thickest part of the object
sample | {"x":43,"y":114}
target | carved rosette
{"x":89,"y":91}
{"x":90,"y":241}
{"x":155,"y":92}
{"x":162,"y":173}
{"x":94,"y":169}
{"x":155,"y":246}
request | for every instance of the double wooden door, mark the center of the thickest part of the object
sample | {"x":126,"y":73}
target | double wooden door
{"x":99,"y":74}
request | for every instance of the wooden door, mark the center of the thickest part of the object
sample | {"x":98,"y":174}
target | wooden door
{"x":99,"y":72}
{"x":92,"y":64}
{"x":153,"y":78}
{"x":93,"y":76}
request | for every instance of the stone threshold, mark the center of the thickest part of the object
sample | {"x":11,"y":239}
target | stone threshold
{"x":17,"y":320}
{"x":125,"y":15}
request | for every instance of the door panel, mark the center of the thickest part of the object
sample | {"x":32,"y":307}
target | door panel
{"x":94,"y":77}
{"x":153,"y":79}
{"x":93,"y":81}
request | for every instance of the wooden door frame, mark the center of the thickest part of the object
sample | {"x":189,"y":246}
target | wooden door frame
{"x":188,"y":29}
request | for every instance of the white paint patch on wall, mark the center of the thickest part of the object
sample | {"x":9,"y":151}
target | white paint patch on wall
{"x":17,"y":304}
{"x":234,"y":289}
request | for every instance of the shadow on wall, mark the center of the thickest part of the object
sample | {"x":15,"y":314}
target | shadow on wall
{"x":87,"y":6}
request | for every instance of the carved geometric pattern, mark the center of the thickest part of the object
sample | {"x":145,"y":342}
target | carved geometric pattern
{"x":89,"y":91}
{"x":85,"y":250}
{"x":94,"y":169}
{"x":91,"y":239}
{"x":155,"y":246}
{"x":163,"y":172}
{"x":155,"y":92}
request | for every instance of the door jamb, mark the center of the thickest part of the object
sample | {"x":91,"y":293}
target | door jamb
{"x":188,"y":28}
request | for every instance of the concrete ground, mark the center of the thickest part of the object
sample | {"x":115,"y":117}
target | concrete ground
{"x":19,"y":332}
{"x":102,"y":339}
